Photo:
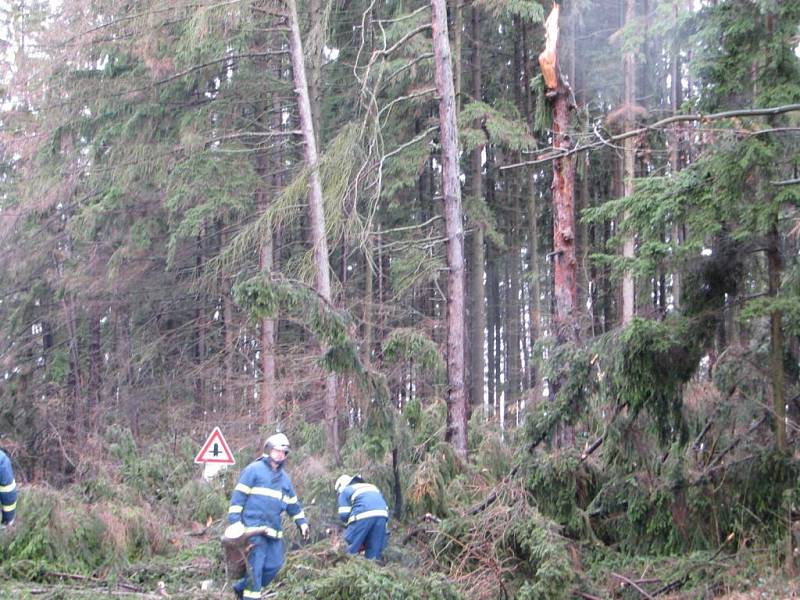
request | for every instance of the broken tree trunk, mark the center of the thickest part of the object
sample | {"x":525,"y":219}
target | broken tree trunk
{"x":565,"y":290}
{"x":563,"y":188}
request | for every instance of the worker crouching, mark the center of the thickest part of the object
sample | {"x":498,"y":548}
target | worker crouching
{"x":363,"y":508}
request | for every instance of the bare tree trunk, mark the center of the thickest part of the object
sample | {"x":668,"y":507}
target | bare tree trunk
{"x":674,"y":149}
{"x":316,"y":40}
{"x":448,"y":132}
{"x":582,"y":249}
{"x":458,"y":25}
{"x":322,"y":281}
{"x":368,"y":293}
{"x":229,"y":339}
{"x":124,"y":377}
{"x":512,"y":299}
{"x":534,"y":275}
{"x":629,"y":154}
{"x":95,"y":366}
{"x":200,"y":337}
{"x":478,"y":291}
{"x":267,"y":389}
{"x":529,"y":191}
{"x":491,"y":329}
{"x":777,"y":376}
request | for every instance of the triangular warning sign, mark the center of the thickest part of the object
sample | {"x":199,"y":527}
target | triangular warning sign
{"x":215,"y":450}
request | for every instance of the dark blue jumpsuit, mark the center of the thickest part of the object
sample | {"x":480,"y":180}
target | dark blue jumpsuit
{"x":362,"y":507}
{"x":258,"y":501}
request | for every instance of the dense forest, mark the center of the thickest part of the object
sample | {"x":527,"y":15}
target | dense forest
{"x":531,"y":268}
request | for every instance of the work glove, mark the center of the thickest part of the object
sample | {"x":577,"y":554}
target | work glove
{"x":304,"y":533}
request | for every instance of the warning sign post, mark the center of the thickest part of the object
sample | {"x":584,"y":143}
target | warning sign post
{"x":215,"y":450}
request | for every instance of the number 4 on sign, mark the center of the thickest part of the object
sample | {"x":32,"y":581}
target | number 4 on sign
{"x":215,"y":450}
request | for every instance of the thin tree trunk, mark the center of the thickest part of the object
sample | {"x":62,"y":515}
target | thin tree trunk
{"x":629,"y":157}
{"x":322,"y":282}
{"x":530,"y":191}
{"x":497,"y":364}
{"x":315,"y":44}
{"x":200,"y":337}
{"x":478,"y":291}
{"x":451,"y":188}
{"x":368,"y":293}
{"x":458,"y":26}
{"x":229,"y":339}
{"x":534,"y":277}
{"x":267,"y":389}
{"x":777,"y":375}
{"x":95,"y":367}
{"x":674,"y":149}
{"x":124,"y":377}
{"x":512,"y":328}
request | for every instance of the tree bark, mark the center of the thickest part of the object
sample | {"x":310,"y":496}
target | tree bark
{"x":512,"y":328}
{"x":458,"y":25}
{"x":267,"y":389}
{"x":124,"y":370}
{"x":629,"y":157}
{"x":200,"y":336}
{"x":94,"y":391}
{"x":322,"y":281}
{"x":448,"y":132}
{"x":316,"y":42}
{"x":674,"y":149}
{"x":777,"y":375}
{"x":563,"y":189}
{"x":368,"y":293}
{"x":229,"y":339}
{"x":478,"y":290}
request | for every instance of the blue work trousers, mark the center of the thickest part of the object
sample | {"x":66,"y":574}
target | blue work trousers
{"x":370,"y":533}
{"x":263,"y":563}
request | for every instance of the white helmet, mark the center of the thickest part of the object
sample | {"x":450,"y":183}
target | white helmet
{"x":342,"y":483}
{"x":278,"y":441}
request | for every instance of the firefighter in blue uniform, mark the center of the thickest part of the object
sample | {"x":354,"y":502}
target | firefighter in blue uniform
{"x":362,"y":507}
{"x":264,"y":492}
{"x":8,"y":490}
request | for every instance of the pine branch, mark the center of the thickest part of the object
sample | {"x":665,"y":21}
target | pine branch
{"x":401,"y":41}
{"x":753,"y":112}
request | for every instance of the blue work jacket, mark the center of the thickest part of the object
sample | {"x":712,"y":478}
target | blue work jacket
{"x":261,"y":496}
{"x":8,"y":489}
{"x":361,"y":501}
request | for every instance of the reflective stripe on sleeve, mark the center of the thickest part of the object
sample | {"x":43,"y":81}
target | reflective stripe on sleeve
{"x":240,"y":487}
{"x":4,"y":489}
{"x":300,"y":515}
{"x":235,"y":509}
{"x":292,"y":500}
{"x":344,"y":510}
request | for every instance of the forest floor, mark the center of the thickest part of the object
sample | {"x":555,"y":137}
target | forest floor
{"x":200,"y":575}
